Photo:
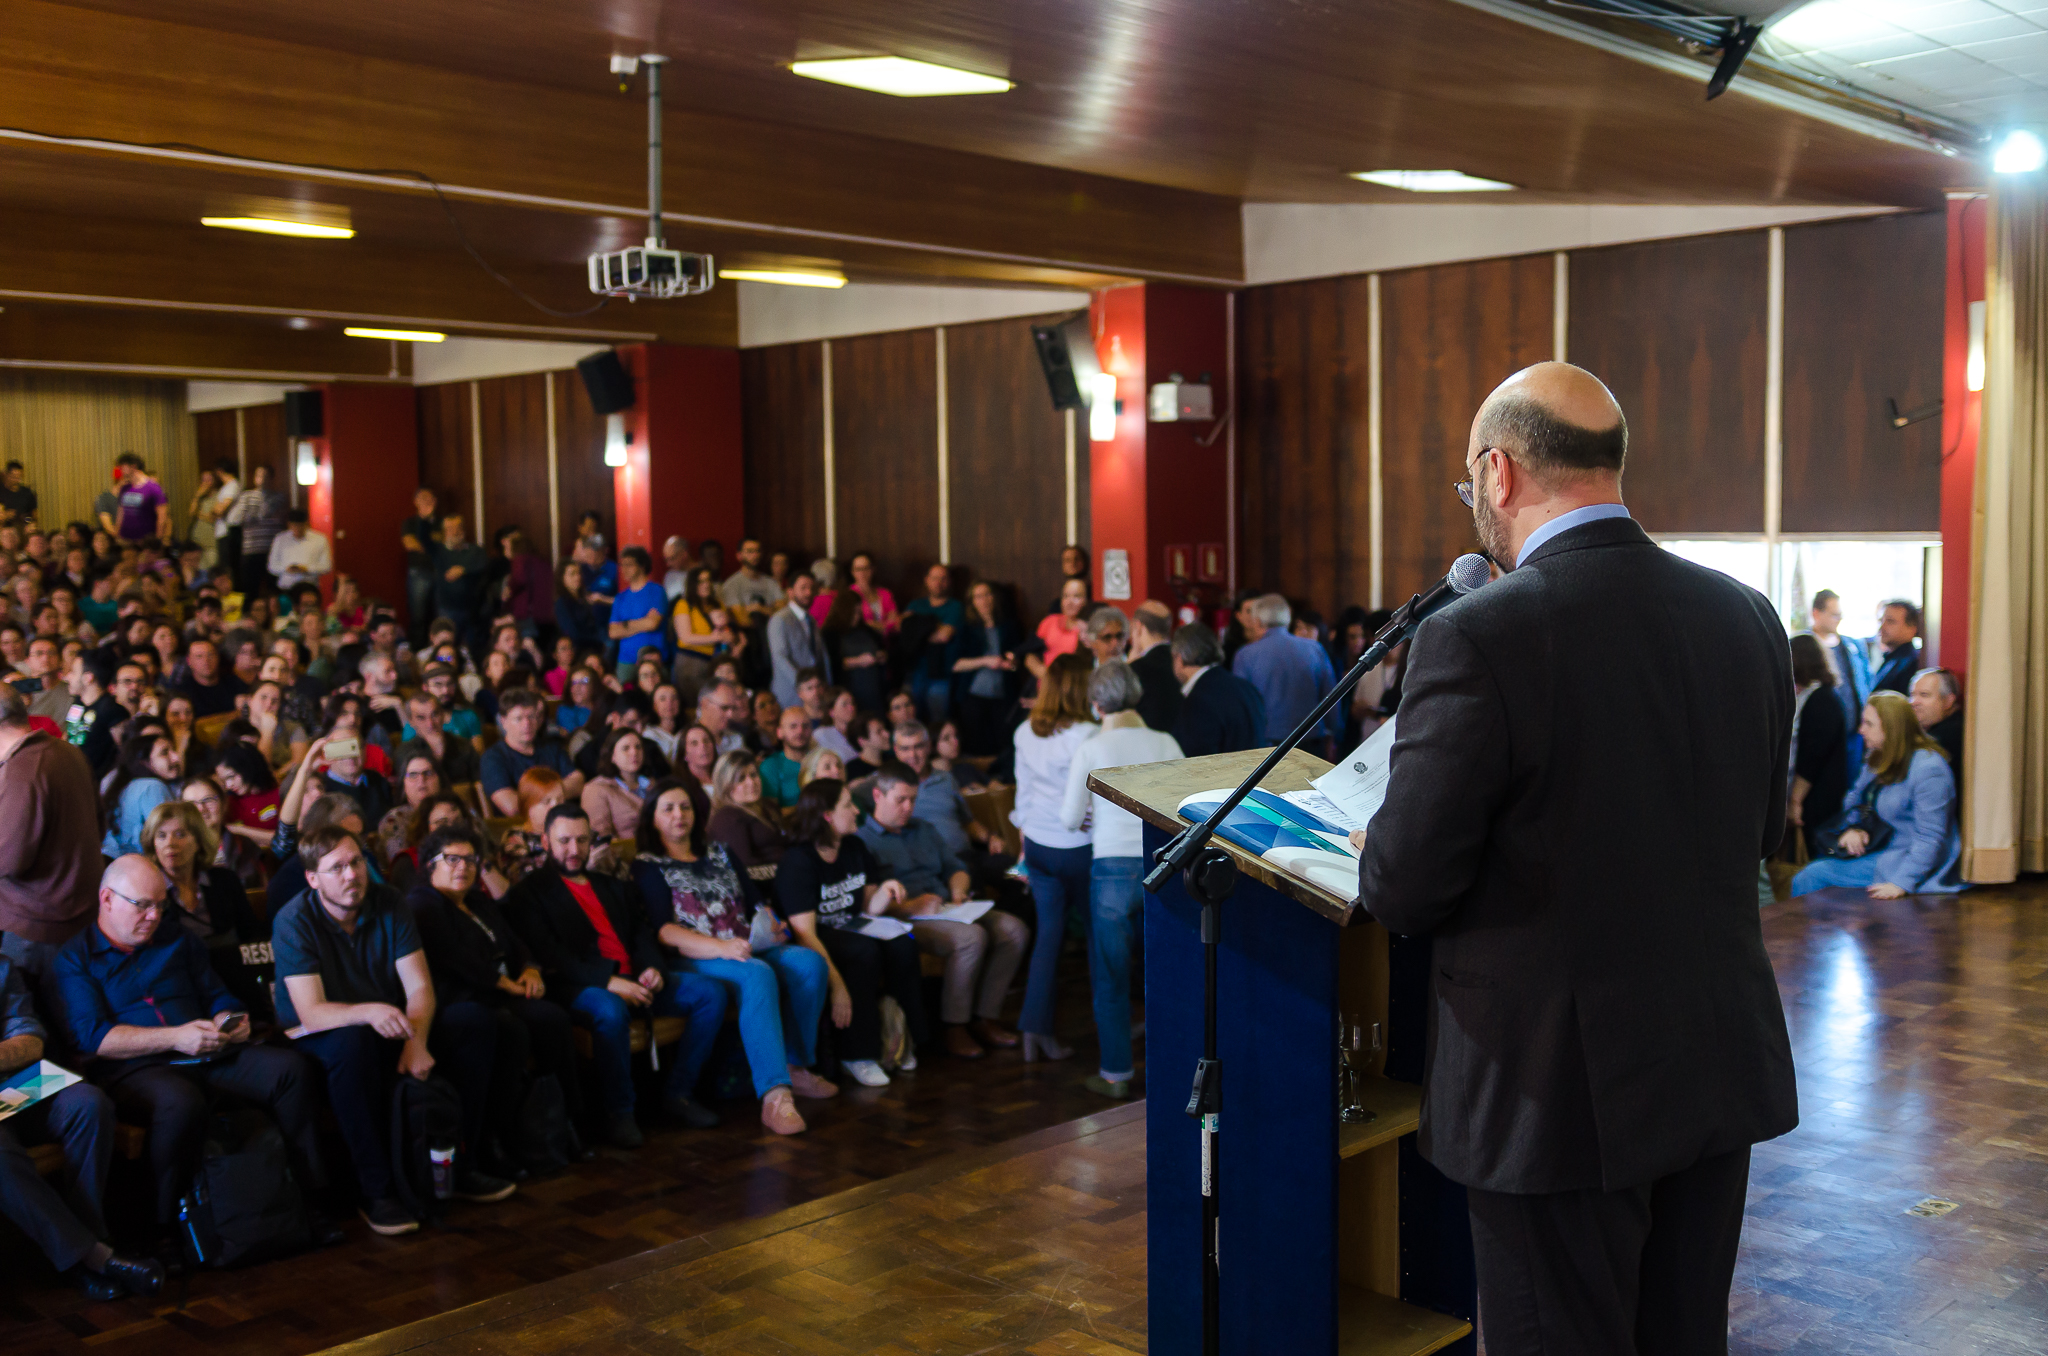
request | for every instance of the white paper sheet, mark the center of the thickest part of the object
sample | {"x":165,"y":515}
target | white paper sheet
{"x":883,"y":929}
{"x":967,"y":911}
{"x":1321,"y":806}
{"x":1358,"y":784}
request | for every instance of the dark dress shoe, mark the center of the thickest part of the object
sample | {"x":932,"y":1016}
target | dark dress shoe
{"x":693,"y":1114}
{"x":97,"y":1288}
{"x":139,"y":1275}
{"x":962,"y":1045}
{"x":326,"y":1230}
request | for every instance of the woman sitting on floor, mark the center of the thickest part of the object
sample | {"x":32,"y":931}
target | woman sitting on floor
{"x":1907,"y":785}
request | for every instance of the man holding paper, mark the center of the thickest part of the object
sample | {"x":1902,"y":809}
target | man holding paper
{"x":1591,"y":761}
{"x":981,"y":957}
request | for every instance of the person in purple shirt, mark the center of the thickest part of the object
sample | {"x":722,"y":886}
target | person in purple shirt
{"x":145,"y":508}
{"x":1292,"y":673}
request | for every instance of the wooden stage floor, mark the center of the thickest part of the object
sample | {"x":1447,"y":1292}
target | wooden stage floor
{"x":919,"y":1221}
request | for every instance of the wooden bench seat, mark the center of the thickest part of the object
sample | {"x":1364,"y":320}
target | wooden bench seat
{"x":129,"y":1141}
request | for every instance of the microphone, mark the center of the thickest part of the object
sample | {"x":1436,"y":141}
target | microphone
{"x":1467,"y":572}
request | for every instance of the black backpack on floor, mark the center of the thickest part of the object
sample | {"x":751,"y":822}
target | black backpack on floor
{"x":543,"y":1133}
{"x":244,"y":1205}
{"x":424,"y":1113}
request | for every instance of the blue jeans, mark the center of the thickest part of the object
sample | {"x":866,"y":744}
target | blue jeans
{"x":419,"y":604}
{"x":1057,"y":876}
{"x":701,"y":1005}
{"x":1116,"y":909}
{"x":782,"y":993}
{"x":1822,"y":872}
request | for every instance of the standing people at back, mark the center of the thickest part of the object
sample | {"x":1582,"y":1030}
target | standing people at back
{"x":1056,"y":858}
{"x":1152,"y":664}
{"x":1898,"y":633}
{"x":795,"y":642}
{"x":1292,"y":673}
{"x":1820,"y":740}
{"x":1219,"y":711}
{"x":1847,"y":658}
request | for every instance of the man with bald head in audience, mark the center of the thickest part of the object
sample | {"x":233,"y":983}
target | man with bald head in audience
{"x":1590,"y":762}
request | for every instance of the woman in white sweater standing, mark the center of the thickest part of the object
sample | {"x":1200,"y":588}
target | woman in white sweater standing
{"x":1056,"y":858}
{"x":1116,"y":899}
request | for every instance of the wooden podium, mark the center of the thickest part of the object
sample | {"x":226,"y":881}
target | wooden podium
{"x":1333,"y":1238}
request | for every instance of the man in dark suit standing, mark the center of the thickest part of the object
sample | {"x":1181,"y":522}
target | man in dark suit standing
{"x":1152,"y":661}
{"x":1219,"y":711}
{"x":1591,"y":760}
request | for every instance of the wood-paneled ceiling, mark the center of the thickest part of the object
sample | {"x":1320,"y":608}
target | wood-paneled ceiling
{"x":1137,"y":129}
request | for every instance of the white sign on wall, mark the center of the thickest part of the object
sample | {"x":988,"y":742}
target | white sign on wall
{"x":1116,"y":576}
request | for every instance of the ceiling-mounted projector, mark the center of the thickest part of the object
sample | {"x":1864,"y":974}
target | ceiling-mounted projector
{"x":653,"y":270}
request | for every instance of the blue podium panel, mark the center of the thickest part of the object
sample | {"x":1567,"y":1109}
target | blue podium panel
{"x":1276,"y":1035}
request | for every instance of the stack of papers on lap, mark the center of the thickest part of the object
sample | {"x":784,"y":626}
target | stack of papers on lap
{"x":967,"y":911}
{"x":883,"y":929}
{"x":38,"y":1082}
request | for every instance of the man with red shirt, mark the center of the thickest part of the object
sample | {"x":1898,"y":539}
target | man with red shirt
{"x":597,"y":949}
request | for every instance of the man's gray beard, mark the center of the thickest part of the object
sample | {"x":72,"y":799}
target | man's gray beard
{"x":1493,"y":535}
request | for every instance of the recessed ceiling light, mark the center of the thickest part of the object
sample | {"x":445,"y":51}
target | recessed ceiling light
{"x":2019,"y":153}
{"x":900,"y":76}
{"x":309,"y":230}
{"x":416,"y":336}
{"x":1432,"y":181}
{"x":787,"y":277}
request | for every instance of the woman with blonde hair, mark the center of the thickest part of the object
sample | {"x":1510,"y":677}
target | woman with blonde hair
{"x":820,"y":763}
{"x":1057,"y":859}
{"x":1897,"y":833}
{"x":742,"y":819}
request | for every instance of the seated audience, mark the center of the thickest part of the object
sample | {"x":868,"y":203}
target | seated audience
{"x":201,"y":678}
{"x":209,"y":901}
{"x":66,"y":1224}
{"x":524,"y":845}
{"x":94,"y":713}
{"x":1905,"y":784}
{"x":343,"y":772}
{"x":1820,"y":739}
{"x":1057,"y":859}
{"x":289,"y":881}
{"x":981,"y":958}
{"x":426,"y":727}
{"x":1220,"y":712}
{"x":742,"y":821}
{"x":1116,"y":897}
{"x":232,"y":852}
{"x":139,"y":999}
{"x":355,"y":991}
{"x":458,"y":717}
{"x":1937,"y":701}
{"x":721,"y":707}
{"x":596,"y":948}
{"x":520,"y":714}
{"x":704,"y":909}
{"x":1060,"y":632}
{"x":419,"y":778}
{"x":835,"y":732}
{"x":820,"y":762}
{"x":871,"y":745}
{"x":484,"y":977}
{"x":146,"y":775}
{"x":940,"y":804}
{"x":612,"y":798}
{"x":826,"y":888}
{"x":669,"y":722}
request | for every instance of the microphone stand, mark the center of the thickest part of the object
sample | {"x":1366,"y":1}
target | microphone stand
{"x":1210,"y":876}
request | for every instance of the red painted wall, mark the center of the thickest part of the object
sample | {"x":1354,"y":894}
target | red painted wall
{"x":1117,"y":488}
{"x":683,"y":471}
{"x":369,"y":467}
{"x":1187,"y":331}
{"x":1961,"y":415}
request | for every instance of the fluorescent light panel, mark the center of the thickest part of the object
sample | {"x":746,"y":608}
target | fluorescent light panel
{"x":307,"y":230}
{"x":900,"y":76}
{"x":2019,"y":153}
{"x":784,"y":276}
{"x":372,"y":332}
{"x":1431,"y":181}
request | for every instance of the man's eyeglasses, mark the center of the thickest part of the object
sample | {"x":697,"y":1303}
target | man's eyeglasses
{"x":462,"y":859}
{"x":156,"y":906}
{"x":1465,"y":487}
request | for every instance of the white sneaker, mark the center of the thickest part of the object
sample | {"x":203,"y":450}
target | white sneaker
{"x":908,"y":1064}
{"x":865,"y":1072}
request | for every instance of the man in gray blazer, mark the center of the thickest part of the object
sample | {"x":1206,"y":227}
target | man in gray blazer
{"x":794,"y":641}
{"x":1591,"y":761}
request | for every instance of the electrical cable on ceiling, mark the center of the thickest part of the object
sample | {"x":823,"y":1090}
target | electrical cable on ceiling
{"x":432,"y":184}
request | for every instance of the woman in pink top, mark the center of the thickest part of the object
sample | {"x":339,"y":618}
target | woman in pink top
{"x":877,"y":605}
{"x":1061,"y":631}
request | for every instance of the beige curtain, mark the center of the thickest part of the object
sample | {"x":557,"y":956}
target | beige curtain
{"x":2005,"y":829}
{"x":66,"y":428}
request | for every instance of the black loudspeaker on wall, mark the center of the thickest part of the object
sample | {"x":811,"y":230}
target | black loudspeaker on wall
{"x":304,"y":415}
{"x":1066,"y":350}
{"x":609,"y":383}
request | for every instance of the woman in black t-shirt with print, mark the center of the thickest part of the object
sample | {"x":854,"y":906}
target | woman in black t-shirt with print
{"x":826,"y":887}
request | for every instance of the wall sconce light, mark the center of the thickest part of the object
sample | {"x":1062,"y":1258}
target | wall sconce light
{"x":616,"y":439}
{"x":1973,"y":366}
{"x":1103,"y":407}
{"x":308,"y":463}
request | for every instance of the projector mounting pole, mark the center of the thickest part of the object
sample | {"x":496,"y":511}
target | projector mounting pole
{"x":654,"y":62}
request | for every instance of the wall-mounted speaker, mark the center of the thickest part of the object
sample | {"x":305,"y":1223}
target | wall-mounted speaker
{"x":609,"y":383}
{"x":1066,"y":350}
{"x":305,"y":415}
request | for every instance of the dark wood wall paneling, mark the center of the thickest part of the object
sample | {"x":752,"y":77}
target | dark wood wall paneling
{"x":1863,"y":323}
{"x":1008,"y":477}
{"x":263,"y":435}
{"x":446,"y":458}
{"x":583,"y":482}
{"x":1449,"y":335}
{"x":885,"y":440}
{"x":1676,"y":328}
{"x":213,"y":436}
{"x":783,"y":424}
{"x":514,"y":417}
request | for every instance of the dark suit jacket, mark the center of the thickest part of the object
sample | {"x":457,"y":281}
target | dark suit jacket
{"x":564,"y":943}
{"x":1823,"y":756}
{"x":1159,"y":708}
{"x":1221,"y":714}
{"x":1591,"y":761}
